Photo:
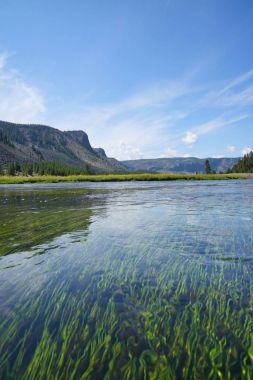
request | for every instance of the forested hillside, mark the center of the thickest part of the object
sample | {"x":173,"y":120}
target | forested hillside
{"x":26,"y":144}
{"x":180,"y":164}
{"x":244,"y":165}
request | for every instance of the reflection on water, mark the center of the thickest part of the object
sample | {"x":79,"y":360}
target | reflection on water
{"x":127,"y":281}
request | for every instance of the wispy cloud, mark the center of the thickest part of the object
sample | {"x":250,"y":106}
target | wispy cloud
{"x":171,"y":152}
{"x":144,"y":123}
{"x":154,"y":121}
{"x":237,"y":81}
{"x":231,"y":148}
{"x":3,"y":59}
{"x":217,"y":123}
{"x":237,"y":93}
{"x":192,"y":136}
{"x":19,"y":101}
{"x":135,"y":126}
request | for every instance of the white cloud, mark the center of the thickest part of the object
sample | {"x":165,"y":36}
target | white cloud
{"x":125,"y":152}
{"x":192,"y":136}
{"x":189,"y":138}
{"x":139,"y":125}
{"x":171,"y":152}
{"x":19,"y":101}
{"x":3,"y":60}
{"x":231,"y":148}
{"x":135,"y":126}
{"x":146,"y":120}
{"x":246,"y":150}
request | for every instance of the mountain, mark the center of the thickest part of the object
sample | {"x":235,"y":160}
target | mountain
{"x":27,"y":143}
{"x":179,"y":164}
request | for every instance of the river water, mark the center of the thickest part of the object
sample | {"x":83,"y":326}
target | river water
{"x":127,"y":281}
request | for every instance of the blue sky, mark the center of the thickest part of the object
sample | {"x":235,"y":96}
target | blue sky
{"x":144,"y":78}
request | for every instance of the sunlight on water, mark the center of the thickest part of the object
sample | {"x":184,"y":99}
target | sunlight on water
{"x":127,"y":281}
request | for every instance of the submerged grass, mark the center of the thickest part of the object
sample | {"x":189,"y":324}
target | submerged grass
{"x":117,"y":324}
{"x":30,"y":218}
{"x":120,"y":177}
{"x":128,"y":304}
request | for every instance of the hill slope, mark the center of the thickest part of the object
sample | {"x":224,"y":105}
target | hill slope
{"x":179,"y":164}
{"x":31,"y":143}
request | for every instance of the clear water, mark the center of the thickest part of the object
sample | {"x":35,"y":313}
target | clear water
{"x":127,"y":281}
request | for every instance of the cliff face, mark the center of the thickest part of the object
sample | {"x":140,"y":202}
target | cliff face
{"x":31,"y":143}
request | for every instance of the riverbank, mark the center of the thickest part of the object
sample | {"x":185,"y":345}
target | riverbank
{"x":120,"y":177}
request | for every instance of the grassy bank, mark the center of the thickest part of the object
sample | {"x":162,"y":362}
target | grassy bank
{"x":120,"y":177}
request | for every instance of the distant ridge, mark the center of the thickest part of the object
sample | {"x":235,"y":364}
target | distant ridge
{"x":28,"y":143}
{"x":179,"y":164}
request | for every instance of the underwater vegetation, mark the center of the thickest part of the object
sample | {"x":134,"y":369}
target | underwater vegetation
{"x":29,"y":218}
{"x":155,"y":283}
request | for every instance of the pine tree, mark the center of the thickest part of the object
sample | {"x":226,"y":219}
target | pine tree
{"x":208,"y":169}
{"x":244,"y":165}
{"x":11,"y":169}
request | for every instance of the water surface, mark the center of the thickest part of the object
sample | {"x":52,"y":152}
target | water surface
{"x":127,"y":281}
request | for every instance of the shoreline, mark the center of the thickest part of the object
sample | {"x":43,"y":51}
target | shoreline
{"x":8,"y":180}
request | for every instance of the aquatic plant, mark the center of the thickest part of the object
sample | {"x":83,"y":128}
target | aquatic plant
{"x":29,"y":218}
{"x":160,"y":288}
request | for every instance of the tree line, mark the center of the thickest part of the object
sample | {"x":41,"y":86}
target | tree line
{"x":244,"y":165}
{"x":43,"y":168}
{"x":5,"y":139}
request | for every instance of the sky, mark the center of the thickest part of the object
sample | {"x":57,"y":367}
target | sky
{"x":144,"y":78}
